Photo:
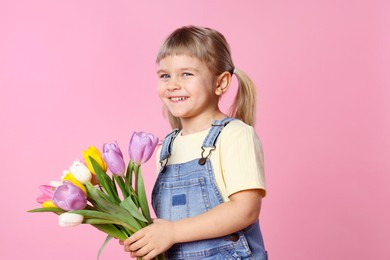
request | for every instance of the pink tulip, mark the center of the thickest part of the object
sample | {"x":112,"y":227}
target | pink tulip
{"x":47,"y":193}
{"x":141,"y":147}
{"x":69,"y":197}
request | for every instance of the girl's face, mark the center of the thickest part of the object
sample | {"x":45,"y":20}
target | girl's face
{"x":187,"y":87}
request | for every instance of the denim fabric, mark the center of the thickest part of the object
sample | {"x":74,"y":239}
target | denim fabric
{"x":189,"y":189}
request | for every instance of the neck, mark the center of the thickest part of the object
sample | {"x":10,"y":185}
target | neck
{"x":200,"y":123}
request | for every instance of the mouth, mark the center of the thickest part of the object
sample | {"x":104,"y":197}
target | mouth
{"x":177,"y":99}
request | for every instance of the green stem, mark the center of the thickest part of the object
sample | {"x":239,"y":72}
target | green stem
{"x":128,"y":176}
{"x":136,"y":173}
{"x":119,"y":180}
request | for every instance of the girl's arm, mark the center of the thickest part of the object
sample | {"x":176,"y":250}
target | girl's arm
{"x":242,"y":210}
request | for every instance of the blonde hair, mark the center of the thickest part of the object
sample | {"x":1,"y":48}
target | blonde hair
{"x":211,"y":47}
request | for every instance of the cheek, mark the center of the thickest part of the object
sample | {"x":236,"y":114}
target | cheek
{"x":160,"y":91}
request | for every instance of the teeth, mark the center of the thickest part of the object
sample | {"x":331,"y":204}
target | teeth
{"x":178,"y":98}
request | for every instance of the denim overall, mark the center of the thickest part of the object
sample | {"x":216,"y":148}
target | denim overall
{"x":188,"y":189}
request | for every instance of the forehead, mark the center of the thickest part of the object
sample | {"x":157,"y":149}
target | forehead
{"x":180,"y":61}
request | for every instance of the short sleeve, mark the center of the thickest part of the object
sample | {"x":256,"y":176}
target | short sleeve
{"x":242,"y":162}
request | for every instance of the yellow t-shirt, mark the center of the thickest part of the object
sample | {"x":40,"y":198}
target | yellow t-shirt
{"x":237,"y":160}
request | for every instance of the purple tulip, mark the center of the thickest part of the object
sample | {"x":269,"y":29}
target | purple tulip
{"x":69,"y":197}
{"x":112,"y":155}
{"x":141,"y":147}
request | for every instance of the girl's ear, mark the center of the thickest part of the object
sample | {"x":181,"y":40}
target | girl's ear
{"x":223,"y":83}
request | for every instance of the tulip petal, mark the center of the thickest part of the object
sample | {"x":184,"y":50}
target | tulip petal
{"x":114,"y":159}
{"x":49,"y":204}
{"x":69,"y":177}
{"x":68,"y":219}
{"x":47,"y":193}
{"x":96,"y":155}
{"x":69,"y":197}
{"x":80,"y":172}
{"x":141,"y":147}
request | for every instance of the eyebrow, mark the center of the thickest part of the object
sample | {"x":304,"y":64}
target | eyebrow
{"x":181,"y":69}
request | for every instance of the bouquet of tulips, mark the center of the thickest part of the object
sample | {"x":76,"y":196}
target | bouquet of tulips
{"x":86,"y":194}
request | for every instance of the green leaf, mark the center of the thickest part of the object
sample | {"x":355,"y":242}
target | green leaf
{"x":97,"y":196}
{"x":143,"y":201}
{"x":122,"y":186}
{"x":113,"y":185}
{"x":99,"y":173}
{"x":130,"y":206}
{"x":96,"y":221}
{"x":96,"y":214}
{"x":114,"y":217}
{"x":111,"y":230}
{"x":114,"y":228}
{"x":112,"y":208}
{"x":48,"y":209}
{"x":134,"y":198}
{"x":94,"y":196}
{"x":105,"y":181}
{"x":108,"y":238}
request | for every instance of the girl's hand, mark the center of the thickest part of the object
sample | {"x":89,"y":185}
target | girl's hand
{"x":242,"y":210}
{"x":151,"y":240}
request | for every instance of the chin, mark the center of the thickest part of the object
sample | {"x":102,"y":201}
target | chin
{"x":177,"y":113}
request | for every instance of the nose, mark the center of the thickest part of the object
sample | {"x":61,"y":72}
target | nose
{"x":173,"y":84}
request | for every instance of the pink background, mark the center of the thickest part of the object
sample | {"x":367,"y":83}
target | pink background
{"x":80,"y":73}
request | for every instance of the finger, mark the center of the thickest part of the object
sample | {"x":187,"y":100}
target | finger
{"x":121,"y":242}
{"x":142,"y":252}
{"x":150,"y":255}
{"x":133,"y":238}
{"x":136,"y":246}
{"x":127,"y":248}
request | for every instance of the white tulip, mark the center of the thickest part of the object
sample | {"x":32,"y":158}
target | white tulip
{"x":80,"y":172}
{"x":68,"y":219}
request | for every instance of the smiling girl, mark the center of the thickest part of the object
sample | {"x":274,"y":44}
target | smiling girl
{"x":210,"y":185}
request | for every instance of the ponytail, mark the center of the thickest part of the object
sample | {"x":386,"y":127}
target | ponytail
{"x":244,"y":105}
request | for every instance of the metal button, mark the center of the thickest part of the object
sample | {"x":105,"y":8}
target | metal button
{"x":202,"y":161}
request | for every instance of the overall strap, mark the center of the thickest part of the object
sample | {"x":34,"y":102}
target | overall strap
{"x":212,"y":137}
{"x":216,"y":128}
{"x":167,"y":144}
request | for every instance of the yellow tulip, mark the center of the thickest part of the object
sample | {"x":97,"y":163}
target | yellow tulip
{"x":97,"y":156}
{"x":69,"y":177}
{"x":49,"y":204}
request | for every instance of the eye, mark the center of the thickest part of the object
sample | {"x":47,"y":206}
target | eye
{"x":187,"y":74}
{"x":164,"y":76}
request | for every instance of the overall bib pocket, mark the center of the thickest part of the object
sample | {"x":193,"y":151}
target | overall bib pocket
{"x":186,"y":198}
